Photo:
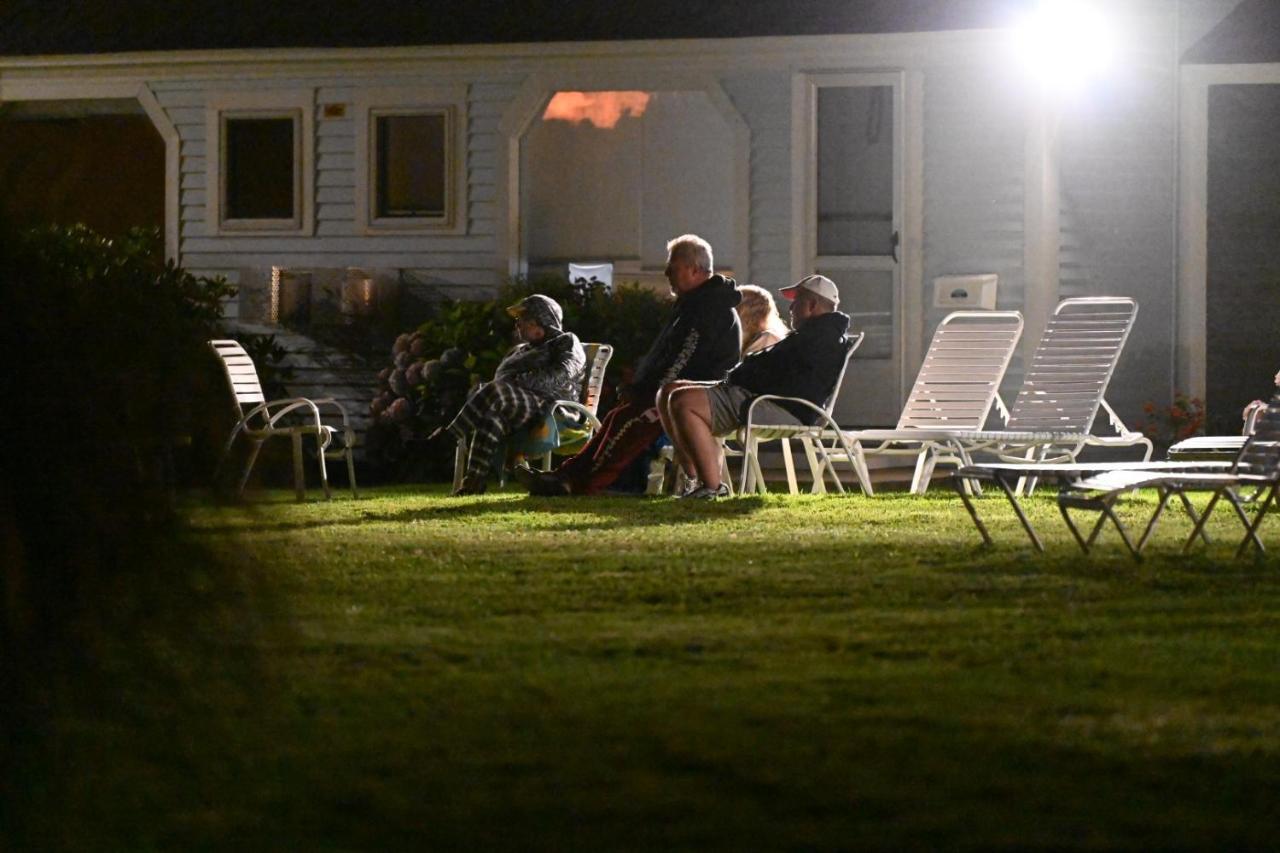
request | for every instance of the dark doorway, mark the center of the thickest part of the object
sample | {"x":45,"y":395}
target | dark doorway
{"x":96,"y":163}
{"x":1243,"y":288}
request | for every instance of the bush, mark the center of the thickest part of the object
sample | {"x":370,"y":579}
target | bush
{"x":103,"y":347}
{"x":104,"y":353}
{"x":434,"y":367}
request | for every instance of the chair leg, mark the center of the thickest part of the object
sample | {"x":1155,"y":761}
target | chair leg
{"x":860,"y":468}
{"x":818,"y":476}
{"x":1165,"y":494}
{"x":1022,"y":515}
{"x":1251,"y":529}
{"x":351,"y":472}
{"x":299,"y":481}
{"x":828,"y":465}
{"x":653,"y":484}
{"x":962,"y":489}
{"x":790,"y":466}
{"x":1204,"y":517}
{"x":324,"y":468}
{"x":459,"y":464}
{"x":726,"y":476}
{"x":254,"y":447}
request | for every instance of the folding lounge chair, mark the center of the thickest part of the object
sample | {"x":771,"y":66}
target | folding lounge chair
{"x":1096,"y":486}
{"x":955,"y":389}
{"x":1052,"y":417}
{"x":294,"y":417}
{"x":582,"y":410}
{"x":753,"y":433}
{"x":1257,"y":466}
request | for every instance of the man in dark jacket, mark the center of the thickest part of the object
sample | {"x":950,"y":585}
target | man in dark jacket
{"x":546,"y":366}
{"x":804,"y":364}
{"x":699,"y":342}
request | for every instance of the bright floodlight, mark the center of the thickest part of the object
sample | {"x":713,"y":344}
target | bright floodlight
{"x":1065,"y":43}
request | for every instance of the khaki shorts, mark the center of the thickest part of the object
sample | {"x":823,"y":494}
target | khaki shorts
{"x":729,"y":409}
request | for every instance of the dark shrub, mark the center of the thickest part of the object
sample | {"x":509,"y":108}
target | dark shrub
{"x":433,"y":367}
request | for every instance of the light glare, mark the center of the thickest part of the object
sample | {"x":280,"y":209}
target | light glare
{"x":1065,"y":44}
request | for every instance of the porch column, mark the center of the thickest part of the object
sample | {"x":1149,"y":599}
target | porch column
{"x":1040,"y":233}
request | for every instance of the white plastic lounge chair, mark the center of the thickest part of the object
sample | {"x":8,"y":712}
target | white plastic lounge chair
{"x":753,"y":433}
{"x":585,"y":407}
{"x":259,"y":419}
{"x":1217,"y":446}
{"x":958,"y":383}
{"x":1257,"y":466}
{"x":1064,"y":387}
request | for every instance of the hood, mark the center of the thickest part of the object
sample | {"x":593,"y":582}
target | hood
{"x":543,"y":310}
{"x":835,"y":324}
{"x":715,"y":292}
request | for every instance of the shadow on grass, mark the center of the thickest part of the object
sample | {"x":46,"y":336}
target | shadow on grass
{"x":610,"y":512}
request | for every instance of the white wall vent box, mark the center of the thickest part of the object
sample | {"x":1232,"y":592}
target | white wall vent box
{"x":965,"y":291}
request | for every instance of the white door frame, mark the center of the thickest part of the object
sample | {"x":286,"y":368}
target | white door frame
{"x":1191,"y":350}
{"x":908,"y":200}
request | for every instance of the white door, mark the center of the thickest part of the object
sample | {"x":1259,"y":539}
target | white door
{"x":852,"y":226}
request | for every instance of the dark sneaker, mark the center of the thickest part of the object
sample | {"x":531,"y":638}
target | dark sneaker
{"x":707,"y":493}
{"x":540,"y":483}
{"x":691,"y":485}
{"x":470,"y":486}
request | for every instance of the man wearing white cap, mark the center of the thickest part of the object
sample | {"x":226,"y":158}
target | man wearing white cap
{"x":804,"y":364}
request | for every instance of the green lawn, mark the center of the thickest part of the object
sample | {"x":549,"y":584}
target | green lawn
{"x":410,"y":671}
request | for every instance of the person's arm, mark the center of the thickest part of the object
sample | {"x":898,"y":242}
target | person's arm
{"x":555,"y":373}
{"x":510,"y":364}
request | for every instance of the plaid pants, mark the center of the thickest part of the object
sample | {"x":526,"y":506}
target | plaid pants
{"x":492,"y":412}
{"x":625,"y":433}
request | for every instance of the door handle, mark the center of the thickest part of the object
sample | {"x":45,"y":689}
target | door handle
{"x":893,"y":246}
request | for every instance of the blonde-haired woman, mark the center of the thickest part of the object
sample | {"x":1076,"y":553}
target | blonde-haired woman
{"x":758,"y":313}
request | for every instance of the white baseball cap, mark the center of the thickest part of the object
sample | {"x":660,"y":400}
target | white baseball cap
{"x":818,"y":284}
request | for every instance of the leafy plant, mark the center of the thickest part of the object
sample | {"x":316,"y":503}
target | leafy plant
{"x":1166,"y":425}
{"x":435,"y":366}
{"x":269,"y":358}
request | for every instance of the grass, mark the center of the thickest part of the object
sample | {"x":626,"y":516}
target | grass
{"x":414,"y":671}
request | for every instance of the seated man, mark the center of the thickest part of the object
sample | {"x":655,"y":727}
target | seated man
{"x":546,"y":366}
{"x":804,"y":364}
{"x":699,"y":342}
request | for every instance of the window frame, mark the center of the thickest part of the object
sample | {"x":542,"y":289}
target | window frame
{"x":297,"y":105}
{"x":372,"y":104}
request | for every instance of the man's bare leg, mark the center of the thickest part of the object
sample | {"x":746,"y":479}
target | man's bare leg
{"x":668,"y":424}
{"x":691,"y":417}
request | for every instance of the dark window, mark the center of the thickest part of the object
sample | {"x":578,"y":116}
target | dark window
{"x":259,"y":176}
{"x":855,"y":170}
{"x":412,"y":165}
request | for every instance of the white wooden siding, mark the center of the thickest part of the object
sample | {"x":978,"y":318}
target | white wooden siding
{"x":1118,"y":174}
{"x":974,"y":146}
{"x":765,"y":103}
{"x":469,"y":260}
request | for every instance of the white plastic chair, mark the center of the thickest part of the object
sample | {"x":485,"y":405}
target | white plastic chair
{"x":958,"y":383}
{"x":259,"y":419}
{"x":752,"y":434}
{"x":586,"y":406}
{"x":1063,"y":389}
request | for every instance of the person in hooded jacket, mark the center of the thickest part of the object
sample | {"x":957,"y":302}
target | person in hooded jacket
{"x":547,"y":365}
{"x":804,"y":364}
{"x":700,"y":342}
